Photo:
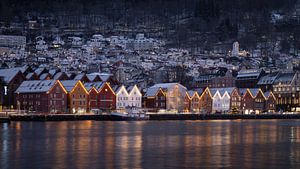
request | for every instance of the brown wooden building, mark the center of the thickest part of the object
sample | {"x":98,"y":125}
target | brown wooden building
{"x":194,"y":101}
{"x":270,"y":102}
{"x":77,"y":96}
{"x":155,"y":99}
{"x":187,"y":103}
{"x":206,"y":102}
{"x":235,"y":100}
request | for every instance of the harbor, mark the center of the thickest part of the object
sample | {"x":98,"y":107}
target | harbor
{"x":153,"y":117}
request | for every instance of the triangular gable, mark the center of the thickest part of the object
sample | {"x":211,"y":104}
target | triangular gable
{"x":205,"y":91}
{"x":60,"y":84}
{"x":110,"y":88}
{"x":81,"y":85}
{"x":122,"y":88}
{"x":93,"y":89}
{"x":135,"y":88}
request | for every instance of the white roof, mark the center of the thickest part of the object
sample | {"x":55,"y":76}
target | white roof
{"x":35,"y":86}
{"x":69,"y":84}
{"x":8,"y":74}
{"x":97,"y":85}
{"x":151,"y":91}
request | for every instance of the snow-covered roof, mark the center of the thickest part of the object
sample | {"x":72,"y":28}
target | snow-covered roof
{"x":284,"y":78}
{"x":69,"y":84}
{"x":29,"y":75}
{"x":8,"y":74}
{"x":268,"y":79}
{"x":96,"y":85}
{"x":168,"y":85}
{"x":44,"y":76}
{"x":249,"y":73}
{"x":152,"y":91}
{"x":57,"y":75}
{"x":92,"y":77}
{"x":79,"y":76}
{"x":222,"y":91}
{"x":35,"y":86}
{"x":38,"y":71}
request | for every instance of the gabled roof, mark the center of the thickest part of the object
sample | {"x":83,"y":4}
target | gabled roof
{"x":53,"y":72}
{"x":93,"y":77}
{"x":44,"y":76}
{"x":284,"y":78}
{"x":249,"y":73}
{"x":29,"y":75}
{"x":152,"y":91}
{"x":204,"y":91}
{"x":96,"y":85}
{"x":168,"y":86}
{"x":242,"y":91}
{"x":8,"y":74}
{"x":69,"y":84}
{"x":57,"y":75}
{"x":268,"y":79}
{"x":117,"y":89}
{"x":130,"y":89}
{"x":213,"y":91}
{"x":35,"y":86}
{"x":269,"y":94}
{"x":39,"y":71}
{"x":254,"y":91}
{"x":192,"y":93}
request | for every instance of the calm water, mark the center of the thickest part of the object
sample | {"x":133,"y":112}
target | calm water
{"x":153,"y":144}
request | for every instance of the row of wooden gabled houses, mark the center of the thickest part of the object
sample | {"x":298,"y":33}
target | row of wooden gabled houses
{"x":210,"y":100}
{"x":74,"y":96}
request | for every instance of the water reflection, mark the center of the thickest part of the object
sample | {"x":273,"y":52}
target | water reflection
{"x":153,"y":144}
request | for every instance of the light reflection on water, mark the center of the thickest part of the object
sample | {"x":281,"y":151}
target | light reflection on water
{"x":152,"y":144}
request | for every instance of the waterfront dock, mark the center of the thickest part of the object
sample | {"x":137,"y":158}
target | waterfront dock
{"x":108,"y":117}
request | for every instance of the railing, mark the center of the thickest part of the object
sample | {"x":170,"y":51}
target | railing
{"x":7,"y":112}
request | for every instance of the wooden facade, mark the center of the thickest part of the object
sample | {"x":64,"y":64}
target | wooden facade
{"x":187,"y":103}
{"x":106,"y":97}
{"x":47,"y":96}
{"x":77,"y":96}
{"x":206,"y":102}
{"x":194,"y":101}
{"x":235,"y":100}
{"x":155,"y":99}
{"x":93,"y":99}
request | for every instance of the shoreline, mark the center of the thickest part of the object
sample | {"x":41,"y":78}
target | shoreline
{"x":152,"y":117}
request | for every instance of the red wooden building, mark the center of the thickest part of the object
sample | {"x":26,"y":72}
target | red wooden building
{"x":42,"y":96}
{"x":106,"y":97}
{"x":11,"y":80}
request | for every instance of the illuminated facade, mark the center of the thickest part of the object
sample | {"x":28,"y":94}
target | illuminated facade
{"x":175,"y":94}
{"x":194,"y":101}
{"x":134,"y":97}
{"x":121,"y":97}
{"x":286,"y":90}
{"x":77,"y":96}
{"x":206,"y":100}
